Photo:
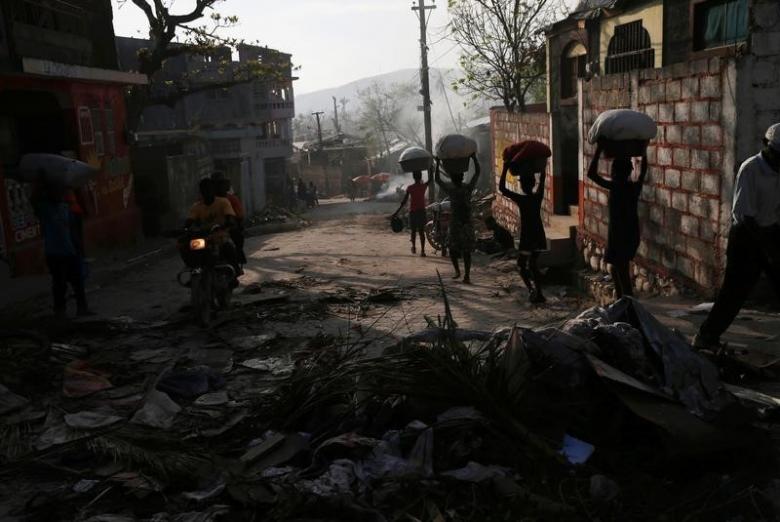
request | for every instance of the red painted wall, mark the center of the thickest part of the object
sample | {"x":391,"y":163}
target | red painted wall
{"x":112,"y":218}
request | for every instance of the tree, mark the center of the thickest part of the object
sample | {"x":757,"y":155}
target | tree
{"x":384,"y":117}
{"x":502,"y":46}
{"x":198,"y":31}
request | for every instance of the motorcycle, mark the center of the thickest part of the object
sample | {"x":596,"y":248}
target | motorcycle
{"x":437,"y":228}
{"x":211,"y":278}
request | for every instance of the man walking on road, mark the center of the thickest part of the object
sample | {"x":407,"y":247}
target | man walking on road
{"x":754,"y":239}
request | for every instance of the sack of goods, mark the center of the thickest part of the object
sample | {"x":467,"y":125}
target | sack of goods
{"x":53,"y":169}
{"x":623,"y":125}
{"x":526,"y":150}
{"x":415,"y":159}
{"x":455,"y":150}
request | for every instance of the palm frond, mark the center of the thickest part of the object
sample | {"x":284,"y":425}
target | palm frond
{"x":163,"y":464}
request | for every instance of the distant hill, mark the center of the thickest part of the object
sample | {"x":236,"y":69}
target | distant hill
{"x":441,"y":93}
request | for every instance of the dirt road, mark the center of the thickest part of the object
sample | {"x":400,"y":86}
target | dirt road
{"x":349,"y":248}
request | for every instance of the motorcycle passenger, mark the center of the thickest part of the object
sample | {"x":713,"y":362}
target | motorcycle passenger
{"x":222,"y":186}
{"x":213,"y":211}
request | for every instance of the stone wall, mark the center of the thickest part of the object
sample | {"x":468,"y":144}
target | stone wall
{"x":508,"y":128}
{"x":758,"y":74}
{"x":682,"y":208}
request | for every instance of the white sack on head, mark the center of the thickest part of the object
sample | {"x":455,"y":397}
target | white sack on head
{"x":623,"y":124}
{"x":455,"y":146}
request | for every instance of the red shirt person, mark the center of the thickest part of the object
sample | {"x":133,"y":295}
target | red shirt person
{"x":417,"y":215}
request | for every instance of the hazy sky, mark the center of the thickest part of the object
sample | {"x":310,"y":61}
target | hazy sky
{"x":334,"y":41}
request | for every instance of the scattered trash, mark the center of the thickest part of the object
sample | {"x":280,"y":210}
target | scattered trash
{"x":84,"y":486}
{"x":476,"y":472}
{"x":66,"y":353}
{"x":91,"y":420}
{"x":253,"y":342}
{"x":444,"y":424}
{"x":278,"y":449}
{"x":56,"y":432}
{"x":80,"y":380}
{"x":9,"y":401}
{"x":603,"y":489}
{"x":212,"y":399}
{"x":576,"y":451}
{"x":276,"y":365}
{"x":189,"y":383}
{"x":159,"y":411}
{"x":210,"y":491}
{"x":154,"y":355}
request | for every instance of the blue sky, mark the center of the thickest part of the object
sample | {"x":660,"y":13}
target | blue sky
{"x":334,"y":41}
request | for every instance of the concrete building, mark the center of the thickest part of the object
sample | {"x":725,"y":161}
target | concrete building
{"x":332,"y":164}
{"x":707,"y":72}
{"x":61,"y":92}
{"x":246,"y":128}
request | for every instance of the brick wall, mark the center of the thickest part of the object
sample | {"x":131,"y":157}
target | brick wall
{"x":508,"y":128}
{"x":681,"y":203}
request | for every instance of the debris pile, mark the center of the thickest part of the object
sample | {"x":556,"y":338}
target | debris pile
{"x":608,"y":416}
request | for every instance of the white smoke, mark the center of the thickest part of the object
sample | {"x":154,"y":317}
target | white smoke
{"x":390,"y":189}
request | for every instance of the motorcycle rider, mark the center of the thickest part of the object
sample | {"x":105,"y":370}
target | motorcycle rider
{"x":213,"y":211}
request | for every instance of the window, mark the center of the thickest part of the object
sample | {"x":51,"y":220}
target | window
{"x":97,"y":124}
{"x":719,"y":23}
{"x":629,"y":48}
{"x":275,"y":129}
{"x":573,"y":67}
{"x":108,"y":115}
{"x":86,"y":132}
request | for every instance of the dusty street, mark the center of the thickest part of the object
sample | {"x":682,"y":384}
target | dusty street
{"x":348,"y":249}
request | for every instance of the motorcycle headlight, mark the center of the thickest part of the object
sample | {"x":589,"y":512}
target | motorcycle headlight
{"x":198,"y":244}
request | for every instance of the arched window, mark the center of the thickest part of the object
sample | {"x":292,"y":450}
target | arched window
{"x":629,"y":48}
{"x":573,"y":65}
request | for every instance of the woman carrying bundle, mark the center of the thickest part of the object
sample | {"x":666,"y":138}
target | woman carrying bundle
{"x":525,"y":160}
{"x":620,"y":135}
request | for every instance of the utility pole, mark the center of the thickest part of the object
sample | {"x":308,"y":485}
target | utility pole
{"x":422,"y":13}
{"x":319,"y":127}
{"x":336,"y":115}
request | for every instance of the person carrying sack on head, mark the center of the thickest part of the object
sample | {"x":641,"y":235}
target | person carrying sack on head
{"x":754,"y":239}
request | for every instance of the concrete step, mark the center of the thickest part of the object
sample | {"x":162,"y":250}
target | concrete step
{"x":562,"y":242}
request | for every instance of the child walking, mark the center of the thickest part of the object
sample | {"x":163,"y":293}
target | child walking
{"x":417,"y":215}
{"x":623,"y":233}
{"x":525,"y":160}
{"x":461,"y":228}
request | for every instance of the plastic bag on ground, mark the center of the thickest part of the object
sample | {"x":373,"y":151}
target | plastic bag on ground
{"x":191,"y":382}
{"x":159,"y":411}
{"x":80,"y":380}
{"x":685,"y":375}
{"x":91,"y":420}
{"x":476,"y":472}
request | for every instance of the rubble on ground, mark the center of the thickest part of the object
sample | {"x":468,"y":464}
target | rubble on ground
{"x":608,"y":415}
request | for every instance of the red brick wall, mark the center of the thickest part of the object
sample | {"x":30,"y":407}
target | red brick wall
{"x":508,"y":128}
{"x":681,"y":203}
